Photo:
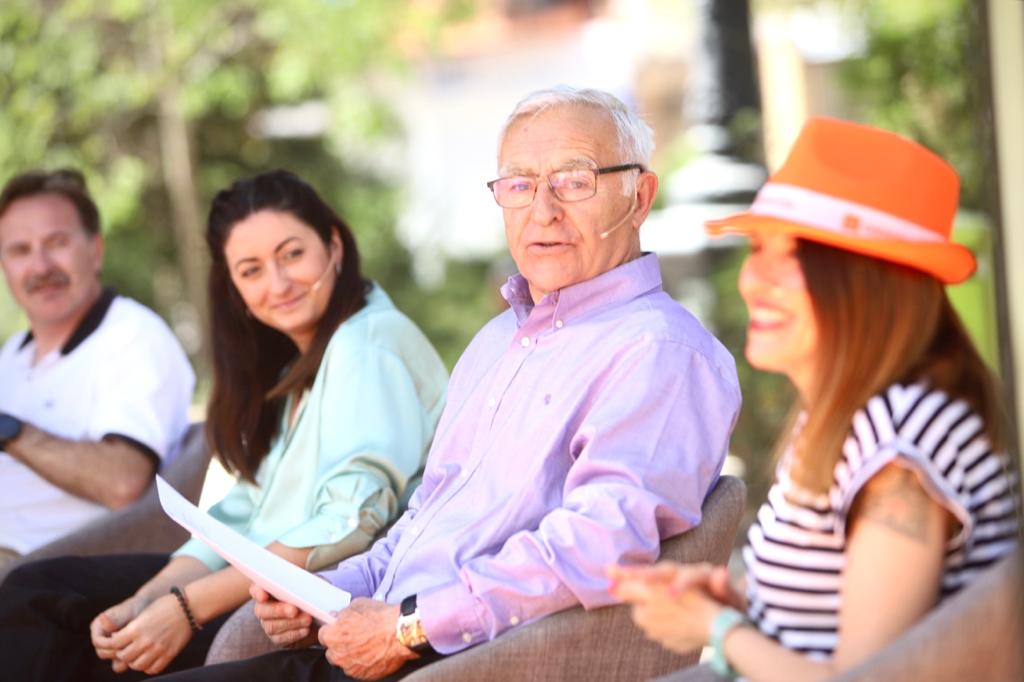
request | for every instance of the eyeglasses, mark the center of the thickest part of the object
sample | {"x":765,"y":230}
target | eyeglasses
{"x":577,"y":184}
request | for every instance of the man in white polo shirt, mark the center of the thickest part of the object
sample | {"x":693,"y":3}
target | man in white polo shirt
{"x":94,"y":396}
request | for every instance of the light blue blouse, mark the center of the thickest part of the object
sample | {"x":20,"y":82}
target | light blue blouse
{"x":361,"y":431}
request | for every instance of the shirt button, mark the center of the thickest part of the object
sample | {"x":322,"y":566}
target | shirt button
{"x":491,"y":402}
{"x":466,"y":637}
{"x":414,"y":530}
{"x":525,"y":341}
{"x":559,"y":324}
{"x":514,"y":620}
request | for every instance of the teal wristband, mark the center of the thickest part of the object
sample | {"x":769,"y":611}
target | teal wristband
{"x":724,"y":622}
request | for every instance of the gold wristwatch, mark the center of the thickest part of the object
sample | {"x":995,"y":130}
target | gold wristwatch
{"x":409,"y":628}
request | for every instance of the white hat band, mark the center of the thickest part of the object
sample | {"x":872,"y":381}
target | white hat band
{"x":822,"y":211}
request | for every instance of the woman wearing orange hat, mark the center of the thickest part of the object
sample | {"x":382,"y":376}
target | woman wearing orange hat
{"x":890,"y":492}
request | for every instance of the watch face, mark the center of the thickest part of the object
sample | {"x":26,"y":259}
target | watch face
{"x":10,"y":427}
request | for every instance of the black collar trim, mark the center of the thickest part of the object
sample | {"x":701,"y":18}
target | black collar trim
{"x":91,"y":321}
{"x":87,"y":326}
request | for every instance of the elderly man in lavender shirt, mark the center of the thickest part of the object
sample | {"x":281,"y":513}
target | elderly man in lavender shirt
{"x":583,"y":425}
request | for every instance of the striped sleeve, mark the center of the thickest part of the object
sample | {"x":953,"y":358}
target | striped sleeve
{"x":944,"y":442}
{"x":795,"y":553}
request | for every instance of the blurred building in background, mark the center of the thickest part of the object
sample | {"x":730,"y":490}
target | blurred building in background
{"x":457,"y":100}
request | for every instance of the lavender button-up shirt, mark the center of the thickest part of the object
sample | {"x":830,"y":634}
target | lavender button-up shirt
{"x":578,"y":432}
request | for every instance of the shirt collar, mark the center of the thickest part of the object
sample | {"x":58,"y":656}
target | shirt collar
{"x":618,"y":285}
{"x":86,"y":326}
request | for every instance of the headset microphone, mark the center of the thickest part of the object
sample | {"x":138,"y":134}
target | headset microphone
{"x":604,"y":235}
{"x":320,"y":280}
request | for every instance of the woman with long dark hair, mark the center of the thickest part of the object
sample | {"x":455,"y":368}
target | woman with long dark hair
{"x":891,"y":491}
{"x":324,"y":402}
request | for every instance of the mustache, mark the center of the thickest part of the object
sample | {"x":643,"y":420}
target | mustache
{"x":49,"y":278}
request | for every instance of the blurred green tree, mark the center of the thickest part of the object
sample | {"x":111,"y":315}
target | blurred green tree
{"x":159,"y":102}
{"x":919,"y":75}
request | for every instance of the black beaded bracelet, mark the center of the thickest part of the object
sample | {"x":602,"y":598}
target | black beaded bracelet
{"x":183,"y":600}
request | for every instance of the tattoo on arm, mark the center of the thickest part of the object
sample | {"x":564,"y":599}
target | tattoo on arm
{"x":895,"y":499}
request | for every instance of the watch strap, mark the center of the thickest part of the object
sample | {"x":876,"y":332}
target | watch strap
{"x":409,"y":629}
{"x":10,"y":428}
{"x":726,"y":620}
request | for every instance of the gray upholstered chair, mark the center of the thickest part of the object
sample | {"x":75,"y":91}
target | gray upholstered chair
{"x":975,"y":635}
{"x":141,"y":526}
{"x":573,"y":644}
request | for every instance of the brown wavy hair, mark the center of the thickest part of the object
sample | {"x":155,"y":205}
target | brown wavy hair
{"x":878,"y":324}
{"x":255,"y":366}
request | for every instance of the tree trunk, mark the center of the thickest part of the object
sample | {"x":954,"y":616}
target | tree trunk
{"x":179,"y":179}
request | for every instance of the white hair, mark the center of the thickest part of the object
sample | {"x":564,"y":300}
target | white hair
{"x":635,"y":138}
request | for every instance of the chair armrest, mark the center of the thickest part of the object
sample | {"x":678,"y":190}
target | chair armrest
{"x":569,"y":645}
{"x":713,"y":539}
{"x":975,"y":635}
{"x":603,"y":643}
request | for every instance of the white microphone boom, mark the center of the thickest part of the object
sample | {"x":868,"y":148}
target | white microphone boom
{"x":320,"y":280}
{"x":629,"y":213}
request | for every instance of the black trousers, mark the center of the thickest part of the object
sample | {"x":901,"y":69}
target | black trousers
{"x":46,"y":608}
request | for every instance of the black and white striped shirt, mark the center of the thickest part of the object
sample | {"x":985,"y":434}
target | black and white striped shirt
{"x":795,"y":551}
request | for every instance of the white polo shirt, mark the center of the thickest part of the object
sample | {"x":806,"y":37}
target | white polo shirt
{"x":122,"y":374}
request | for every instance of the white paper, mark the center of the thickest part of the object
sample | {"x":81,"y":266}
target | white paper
{"x":286,"y":581}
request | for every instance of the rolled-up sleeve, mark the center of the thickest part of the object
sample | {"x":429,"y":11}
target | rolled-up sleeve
{"x":645,"y":454}
{"x":360,"y":575}
{"x":371,"y":439}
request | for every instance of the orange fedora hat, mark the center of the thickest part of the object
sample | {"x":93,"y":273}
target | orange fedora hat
{"x":864,"y":190}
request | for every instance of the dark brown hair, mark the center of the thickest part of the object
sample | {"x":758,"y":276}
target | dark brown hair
{"x":254,"y":366}
{"x":65,"y":182}
{"x":879,"y":323}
